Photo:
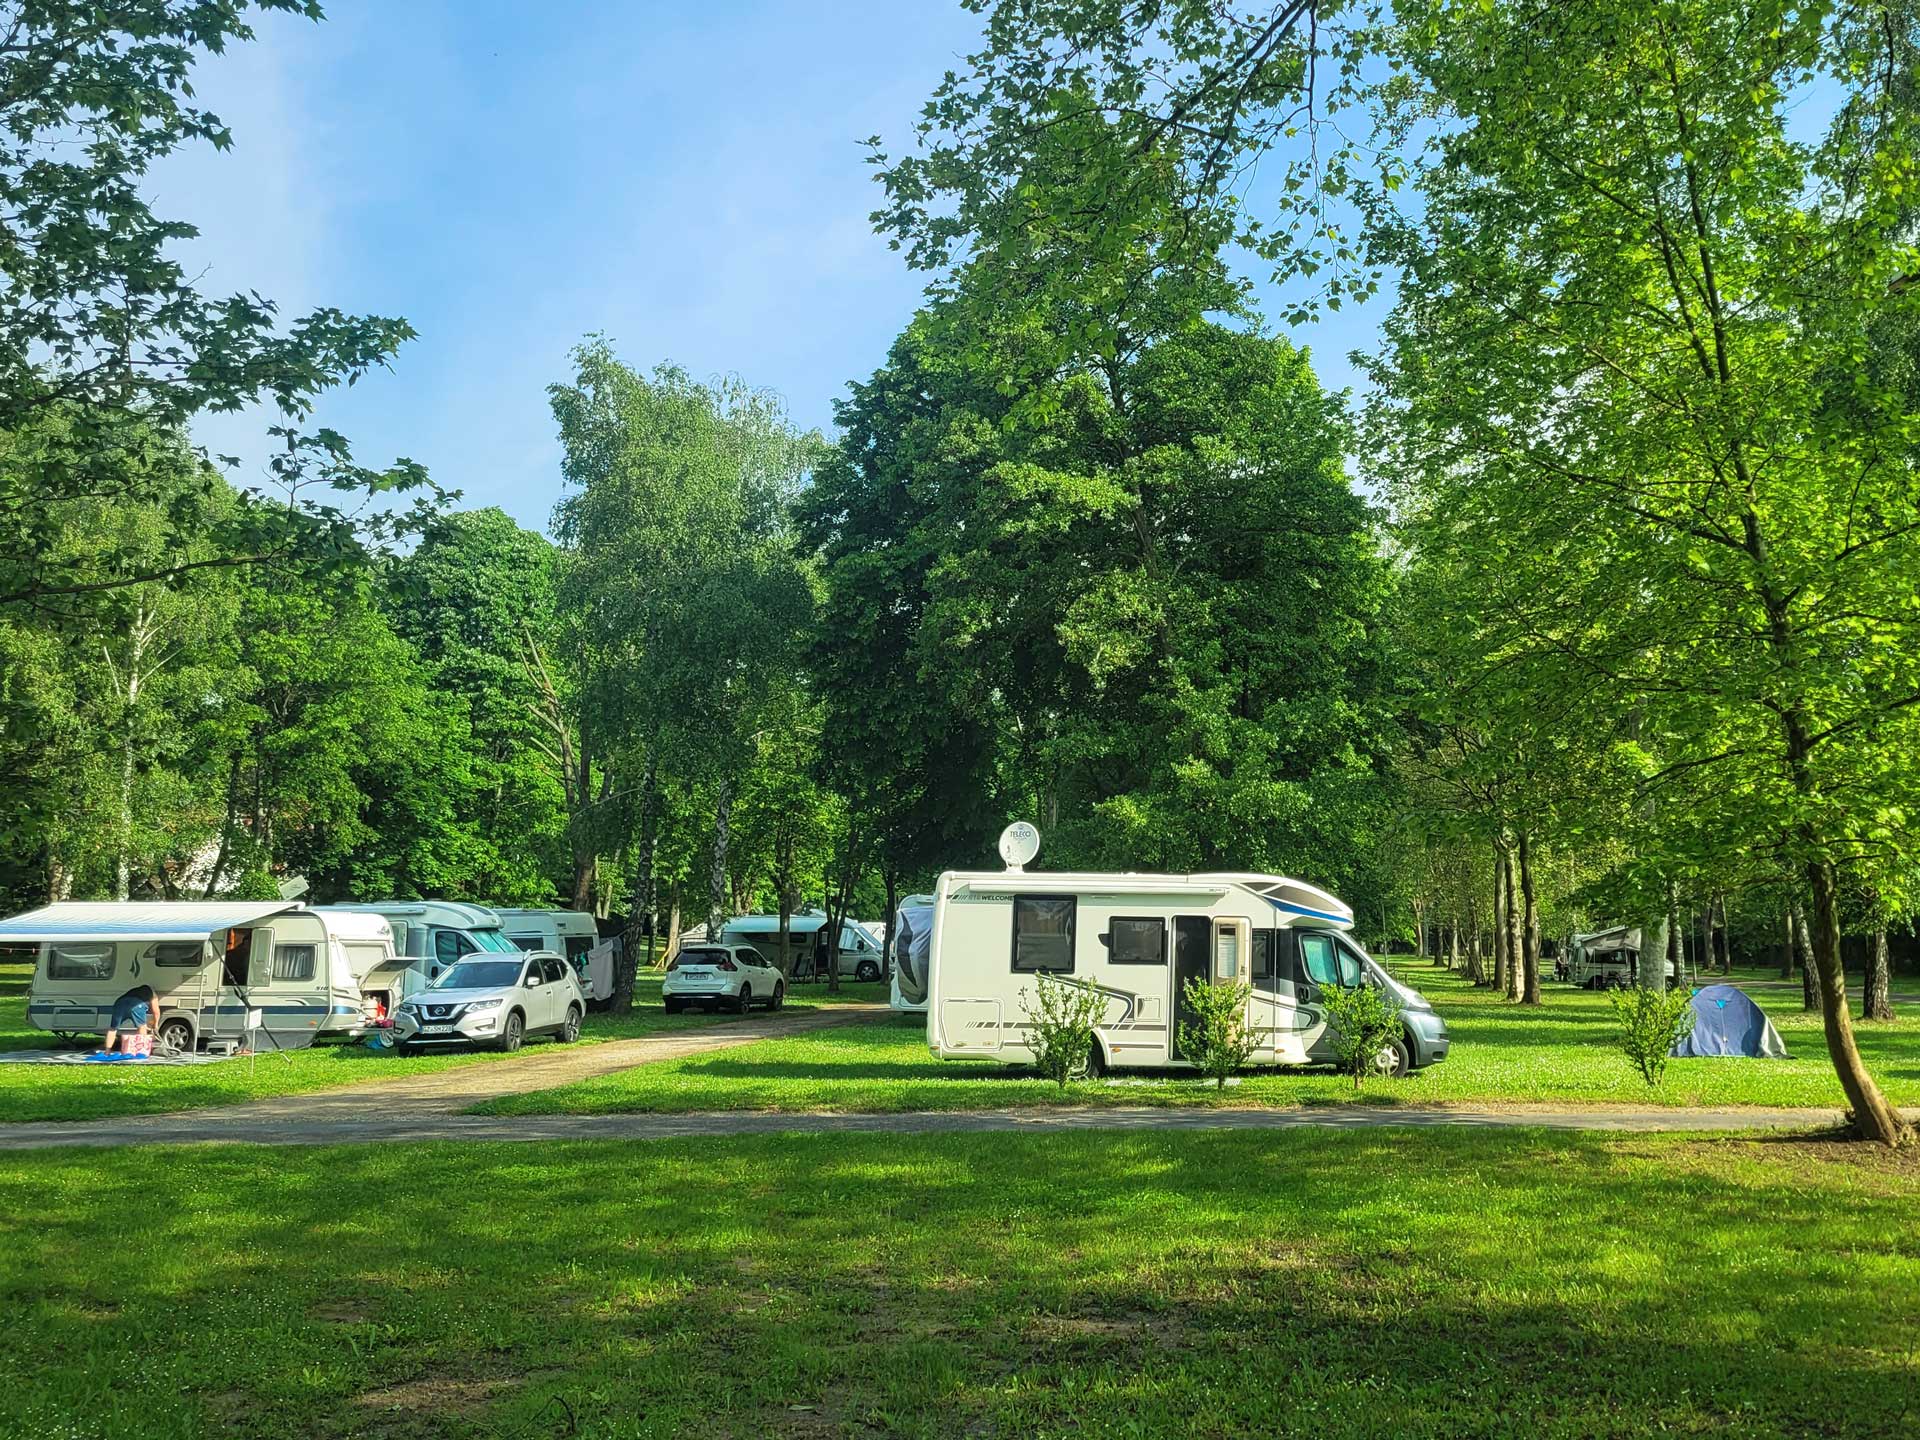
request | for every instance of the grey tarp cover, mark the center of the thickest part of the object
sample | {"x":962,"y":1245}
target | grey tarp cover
{"x":1727,"y":1022}
{"x":913,"y":946}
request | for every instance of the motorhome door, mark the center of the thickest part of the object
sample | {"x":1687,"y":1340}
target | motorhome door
{"x":1192,"y":960}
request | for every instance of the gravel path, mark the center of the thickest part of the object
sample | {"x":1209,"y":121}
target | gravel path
{"x":413,"y":1121}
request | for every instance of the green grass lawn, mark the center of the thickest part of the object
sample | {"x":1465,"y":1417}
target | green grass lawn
{"x":45,"y":1092}
{"x":1502,"y":1053}
{"x":1325,"y":1284}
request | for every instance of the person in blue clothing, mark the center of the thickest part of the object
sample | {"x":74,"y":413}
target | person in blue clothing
{"x":137,"y":1010}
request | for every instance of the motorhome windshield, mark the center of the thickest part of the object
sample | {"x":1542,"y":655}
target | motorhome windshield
{"x":494,"y":940}
{"x":479,"y":975}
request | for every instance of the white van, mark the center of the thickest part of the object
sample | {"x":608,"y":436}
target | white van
{"x":570,"y":934}
{"x":859,"y":951}
{"x":209,"y":964}
{"x":428,"y":937}
{"x":1137,"y":940}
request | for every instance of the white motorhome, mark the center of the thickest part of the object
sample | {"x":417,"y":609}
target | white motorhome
{"x":859,"y":952}
{"x":428,"y":936}
{"x":209,"y":964}
{"x":1137,"y":940}
{"x":570,"y":934}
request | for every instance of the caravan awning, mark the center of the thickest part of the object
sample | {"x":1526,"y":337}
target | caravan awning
{"x":76,"y":921}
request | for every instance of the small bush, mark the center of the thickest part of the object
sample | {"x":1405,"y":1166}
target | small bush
{"x":1651,"y":1023}
{"x":1218,"y":1041}
{"x":1060,"y":1021}
{"x":1361,"y":1023}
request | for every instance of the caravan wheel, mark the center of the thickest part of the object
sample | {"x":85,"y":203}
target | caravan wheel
{"x":867,"y":970}
{"x":178,"y":1033}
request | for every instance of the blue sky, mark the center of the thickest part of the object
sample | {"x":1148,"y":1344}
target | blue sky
{"x":510,"y":176}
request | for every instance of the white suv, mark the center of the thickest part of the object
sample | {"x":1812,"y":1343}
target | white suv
{"x":495,"y":1000}
{"x":713,"y":975}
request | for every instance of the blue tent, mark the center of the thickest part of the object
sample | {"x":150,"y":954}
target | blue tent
{"x":1727,"y":1022}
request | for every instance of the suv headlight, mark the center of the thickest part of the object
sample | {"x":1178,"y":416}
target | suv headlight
{"x":476,"y":1006}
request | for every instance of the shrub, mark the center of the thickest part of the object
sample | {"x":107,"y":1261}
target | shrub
{"x":1218,"y":1041}
{"x":1361,"y":1022}
{"x":1060,"y":1021}
{"x":1651,"y":1023}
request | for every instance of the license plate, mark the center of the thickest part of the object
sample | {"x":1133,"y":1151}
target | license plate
{"x":436,"y":1029}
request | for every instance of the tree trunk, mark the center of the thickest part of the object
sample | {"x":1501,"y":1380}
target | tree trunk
{"x":783,"y":886}
{"x":890,"y":880}
{"x":1723,"y":937}
{"x":584,"y":868}
{"x":1530,"y":939}
{"x":672,"y":947}
{"x":1453,"y":942}
{"x":1648,"y":966}
{"x":639,"y":931}
{"x":59,"y":880}
{"x":1792,"y":946}
{"x":1419,"y":929}
{"x":1499,"y":919}
{"x":1876,"y":999}
{"x":1809,"y":970}
{"x":717,"y":877}
{"x":1474,"y":972}
{"x":1676,"y":939}
{"x":1873,"y":1117}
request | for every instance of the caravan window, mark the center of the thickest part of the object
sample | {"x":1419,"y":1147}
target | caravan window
{"x":1043,"y":933}
{"x":176,"y":954}
{"x":578,"y":947}
{"x":80,"y":962}
{"x":1138,"y":941}
{"x":294,"y":962}
{"x":528,"y":943}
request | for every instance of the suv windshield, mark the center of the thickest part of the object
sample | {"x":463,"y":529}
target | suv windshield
{"x":479,"y":975}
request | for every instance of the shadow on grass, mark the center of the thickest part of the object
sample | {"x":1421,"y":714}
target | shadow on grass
{"x":1138,"y":1285}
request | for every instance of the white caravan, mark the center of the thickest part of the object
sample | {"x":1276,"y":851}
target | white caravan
{"x":428,"y":936}
{"x":209,"y":963}
{"x":859,"y":953}
{"x":570,"y":934}
{"x":1137,"y":940}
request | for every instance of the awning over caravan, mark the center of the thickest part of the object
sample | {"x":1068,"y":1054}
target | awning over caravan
{"x":74,"y":921}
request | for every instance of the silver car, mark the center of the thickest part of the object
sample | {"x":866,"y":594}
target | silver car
{"x":494,"y":1000}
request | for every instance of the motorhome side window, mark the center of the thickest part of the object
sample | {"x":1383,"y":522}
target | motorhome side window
{"x":80,"y":962}
{"x":1316,"y":953}
{"x":1266,"y":968}
{"x":1136,"y":941}
{"x":1043,"y":933}
{"x":294,"y":962}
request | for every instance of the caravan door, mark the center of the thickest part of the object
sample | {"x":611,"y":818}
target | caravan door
{"x":290,"y":985}
{"x":1192,"y":943}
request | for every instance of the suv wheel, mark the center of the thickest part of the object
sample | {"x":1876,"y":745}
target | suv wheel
{"x":779,"y":996}
{"x":742,"y":1000}
{"x":570,"y":1031}
{"x":513,"y":1032}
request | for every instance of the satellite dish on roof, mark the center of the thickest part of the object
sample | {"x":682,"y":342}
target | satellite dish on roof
{"x":293,"y":887}
{"x":1019,"y":843}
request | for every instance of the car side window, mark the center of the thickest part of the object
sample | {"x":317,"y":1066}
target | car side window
{"x":754,"y":957}
{"x":533,"y":972}
{"x":1316,"y":953}
{"x":552,"y":970}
